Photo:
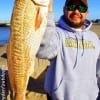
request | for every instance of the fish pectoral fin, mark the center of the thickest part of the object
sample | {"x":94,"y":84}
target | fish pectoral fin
{"x":38,"y":19}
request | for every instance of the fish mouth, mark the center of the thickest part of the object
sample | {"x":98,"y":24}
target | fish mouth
{"x":41,"y":2}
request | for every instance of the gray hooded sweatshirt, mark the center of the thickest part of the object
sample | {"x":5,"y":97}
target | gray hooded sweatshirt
{"x":73,"y":58}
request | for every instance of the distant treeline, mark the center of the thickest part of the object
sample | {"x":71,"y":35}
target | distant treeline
{"x":4,"y":25}
{"x":8,"y":24}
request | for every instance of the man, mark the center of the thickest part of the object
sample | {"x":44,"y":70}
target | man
{"x":73,"y":51}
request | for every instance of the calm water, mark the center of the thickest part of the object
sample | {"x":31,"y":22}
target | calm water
{"x":4,"y":35}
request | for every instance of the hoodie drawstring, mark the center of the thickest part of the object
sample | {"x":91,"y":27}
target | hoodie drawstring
{"x":83,"y":44}
{"x":76,"y":52}
{"x":78,"y":49}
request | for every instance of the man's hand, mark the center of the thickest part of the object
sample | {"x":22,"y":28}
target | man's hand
{"x":50,"y":6}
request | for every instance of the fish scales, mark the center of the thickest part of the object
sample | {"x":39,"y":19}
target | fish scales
{"x":28,"y":24}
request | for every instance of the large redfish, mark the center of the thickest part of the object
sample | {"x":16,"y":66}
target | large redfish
{"x":28,"y":23}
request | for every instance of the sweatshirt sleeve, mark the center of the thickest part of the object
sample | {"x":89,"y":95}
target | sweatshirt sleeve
{"x":49,"y":45}
{"x":98,"y":67}
{"x":98,"y":71}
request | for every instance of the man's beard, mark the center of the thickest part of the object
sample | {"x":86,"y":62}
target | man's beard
{"x":75,"y":25}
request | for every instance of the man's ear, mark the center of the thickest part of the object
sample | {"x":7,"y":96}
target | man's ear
{"x":63,"y":9}
{"x":87,"y":13}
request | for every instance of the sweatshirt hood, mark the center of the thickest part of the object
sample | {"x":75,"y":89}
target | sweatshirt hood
{"x":64,"y":25}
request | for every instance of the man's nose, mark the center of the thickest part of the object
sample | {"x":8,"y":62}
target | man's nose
{"x":76,"y":11}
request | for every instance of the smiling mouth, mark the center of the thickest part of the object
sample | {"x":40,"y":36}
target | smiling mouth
{"x":75,"y":17}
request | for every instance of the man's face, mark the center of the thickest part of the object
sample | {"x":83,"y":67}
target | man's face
{"x":75,"y":18}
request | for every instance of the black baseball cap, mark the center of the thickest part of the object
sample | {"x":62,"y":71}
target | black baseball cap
{"x":83,"y":2}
